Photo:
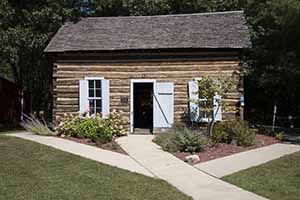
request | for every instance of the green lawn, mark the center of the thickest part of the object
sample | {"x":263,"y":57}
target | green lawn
{"x":36,"y":172}
{"x":276,"y":180}
{"x":9,"y":128}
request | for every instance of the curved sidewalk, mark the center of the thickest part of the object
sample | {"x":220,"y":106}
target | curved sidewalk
{"x":87,"y":151}
{"x":186,"y":178}
{"x":230,"y":164}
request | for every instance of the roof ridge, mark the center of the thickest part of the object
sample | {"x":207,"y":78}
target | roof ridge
{"x":171,"y":15}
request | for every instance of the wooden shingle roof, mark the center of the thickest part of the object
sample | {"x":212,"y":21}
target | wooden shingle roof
{"x":203,"y":30}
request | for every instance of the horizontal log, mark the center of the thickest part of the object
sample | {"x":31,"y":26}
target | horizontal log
{"x":147,"y":69}
{"x":139,"y":75}
{"x":66,"y":78}
{"x":163,"y":63}
{"x":146,"y":59}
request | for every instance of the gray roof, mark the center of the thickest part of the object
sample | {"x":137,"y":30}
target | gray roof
{"x":203,"y":30}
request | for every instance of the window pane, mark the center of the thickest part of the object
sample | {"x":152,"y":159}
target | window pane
{"x":92,"y":103}
{"x":91,"y":92}
{"x":91,"y":84}
{"x":98,"y":110}
{"x":98,"y":84}
{"x":98,"y":93}
{"x":92,"y":106}
{"x":98,"y":103}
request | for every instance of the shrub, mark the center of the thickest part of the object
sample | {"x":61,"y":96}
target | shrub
{"x":190,"y":141}
{"x":36,"y":126}
{"x":95,"y":128}
{"x":181,"y":139}
{"x":67,"y":125}
{"x":266,"y":131}
{"x":115,"y":121}
{"x":234,"y":131}
{"x":87,"y":127}
{"x":167,"y":141}
{"x":279,"y":136}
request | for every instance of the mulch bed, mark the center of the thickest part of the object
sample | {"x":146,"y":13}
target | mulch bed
{"x":222,"y":150}
{"x":110,"y":146}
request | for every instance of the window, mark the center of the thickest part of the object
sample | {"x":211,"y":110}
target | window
{"x":198,"y":114}
{"x":94,"y":96}
{"x":202,"y":114}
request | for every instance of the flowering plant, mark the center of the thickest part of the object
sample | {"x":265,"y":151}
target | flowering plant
{"x":92,"y":127}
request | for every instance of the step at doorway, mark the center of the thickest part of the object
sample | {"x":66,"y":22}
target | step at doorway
{"x":142,"y":131}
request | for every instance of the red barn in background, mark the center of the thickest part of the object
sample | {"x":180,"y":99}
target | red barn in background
{"x":14,"y":101}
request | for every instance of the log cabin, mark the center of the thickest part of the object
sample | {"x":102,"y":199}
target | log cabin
{"x":145,"y":66}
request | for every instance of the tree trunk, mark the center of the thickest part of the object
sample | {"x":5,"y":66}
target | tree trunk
{"x":211,"y":125}
{"x":15,"y":73}
{"x":212,"y":122}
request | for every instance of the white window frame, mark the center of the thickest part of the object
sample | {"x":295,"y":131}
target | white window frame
{"x":205,"y":118}
{"x":91,"y":78}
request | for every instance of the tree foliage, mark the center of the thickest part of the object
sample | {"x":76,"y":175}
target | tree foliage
{"x":26,"y":26}
{"x":208,"y":88}
{"x":25,"y":29}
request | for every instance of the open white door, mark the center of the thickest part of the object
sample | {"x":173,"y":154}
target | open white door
{"x":163,"y":105}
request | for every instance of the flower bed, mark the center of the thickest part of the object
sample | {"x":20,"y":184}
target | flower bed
{"x":93,"y":129}
{"x":222,"y":149}
{"x":228,"y":137}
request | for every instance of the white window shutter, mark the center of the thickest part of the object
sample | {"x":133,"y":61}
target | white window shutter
{"x":163,"y":105}
{"x":217,"y":108}
{"x":194,"y":109}
{"x":105,"y":97}
{"x":83,"y":96}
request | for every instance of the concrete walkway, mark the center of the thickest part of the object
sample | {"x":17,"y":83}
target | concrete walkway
{"x":87,"y":151}
{"x":230,"y":164}
{"x":186,"y":178}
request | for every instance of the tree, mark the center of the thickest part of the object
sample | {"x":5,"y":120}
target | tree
{"x":25,"y":29}
{"x":209,"y":87}
{"x":273,"y":62}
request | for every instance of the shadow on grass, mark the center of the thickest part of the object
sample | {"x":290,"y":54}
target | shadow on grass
{"x":10,"y":128}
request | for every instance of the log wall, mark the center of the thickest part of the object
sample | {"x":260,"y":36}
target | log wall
{"x":67,"y":73}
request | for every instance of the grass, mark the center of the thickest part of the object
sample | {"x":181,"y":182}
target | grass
{"x":10,"y":128}
{"x":36,"y":172}
{"x":276,"y":180}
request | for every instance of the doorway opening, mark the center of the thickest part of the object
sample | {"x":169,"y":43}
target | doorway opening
{"x":143,"y":108}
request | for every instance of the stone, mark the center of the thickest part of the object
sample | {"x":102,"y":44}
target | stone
{"x":192,"y":159}
{"x":233,"y":142}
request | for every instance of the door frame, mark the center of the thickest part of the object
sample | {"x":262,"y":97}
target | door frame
{"x":132,"y":81}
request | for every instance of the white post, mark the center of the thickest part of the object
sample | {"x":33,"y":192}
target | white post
{"x":22,"y":104}
{"x":274,"y":117}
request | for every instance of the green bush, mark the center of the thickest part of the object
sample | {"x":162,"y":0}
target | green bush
{"x":190,"y":141}
{"x":167,"y":141}
{"x":181,"y":139}
{"x":87,"y":127}
{"x":266,"y":131}
{"x":234,"y":131}
{"x":279,"y":136}
{"x":95,"y":128}
{"x":67,"y":125}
